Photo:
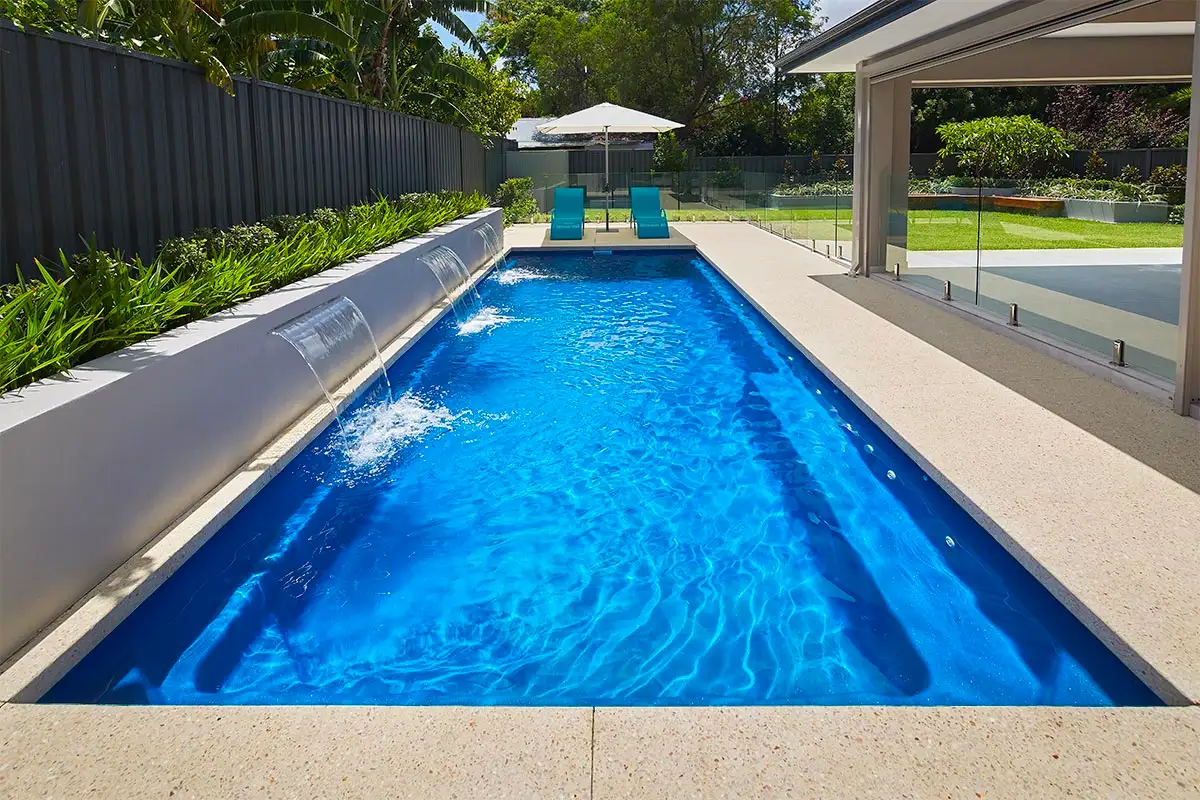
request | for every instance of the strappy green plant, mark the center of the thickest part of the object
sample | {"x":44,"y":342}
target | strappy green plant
{"x":104,"y":302}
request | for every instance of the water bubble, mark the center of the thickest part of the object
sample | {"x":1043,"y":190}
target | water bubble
{"x":818,"y":391}
{"x":518,"y":274}
{"x":484,"y":319}
{"x":949,"y":542}
{"x":869,"y":449}
{"x":891,"y":475}
{"x":374,"y":434}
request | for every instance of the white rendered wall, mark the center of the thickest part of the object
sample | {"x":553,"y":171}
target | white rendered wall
{"x":93,"y":467}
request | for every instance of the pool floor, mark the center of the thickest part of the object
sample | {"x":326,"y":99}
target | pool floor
{"x":615,"y":485}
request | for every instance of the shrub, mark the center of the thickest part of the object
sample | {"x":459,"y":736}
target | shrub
{"x":967,"y":182}
{"x":515,"y":196}
{"x":1019,"y":147}
{"x":185,"y":255}
{"x":105,"y":302}
{"x":285,"y":225}
{"x":1130,"y":174}
{"x":1171,"y":181}
{"x":241,"y":239}
{"x":1096,"y":167}
{"x":812,"y":188}
{"x":1172,"y":175}
{"x":325,"y":217}
{"x":669,"y":155}
{"x":814,"y":163}
{"x":1175,"y":215}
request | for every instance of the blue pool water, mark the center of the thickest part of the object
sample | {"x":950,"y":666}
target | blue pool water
{"x":617,"y":485}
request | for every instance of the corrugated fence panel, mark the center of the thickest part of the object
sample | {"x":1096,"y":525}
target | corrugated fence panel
{"x":135,"y":149}
{"x":619,"y":161}
{"x":474,"y":167}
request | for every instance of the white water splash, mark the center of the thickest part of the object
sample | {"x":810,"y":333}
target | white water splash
{"x":518,"y":274}
{"x":486,"y":318}
{"x":377,"y":432}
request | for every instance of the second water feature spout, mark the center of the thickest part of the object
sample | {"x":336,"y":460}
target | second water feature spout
{"x":452,"y":273}
{"x":328,"y":336}
{"x":491,"y":241}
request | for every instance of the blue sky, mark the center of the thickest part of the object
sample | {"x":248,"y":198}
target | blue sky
{"x":836,"y":10}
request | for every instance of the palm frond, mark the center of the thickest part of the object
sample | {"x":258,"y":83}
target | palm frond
{"x":289,"y":23}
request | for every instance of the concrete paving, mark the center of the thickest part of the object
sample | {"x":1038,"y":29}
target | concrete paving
{"x":1092,"y":488}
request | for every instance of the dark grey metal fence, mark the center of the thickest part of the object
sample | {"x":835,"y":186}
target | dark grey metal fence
{"x":133,"y":149}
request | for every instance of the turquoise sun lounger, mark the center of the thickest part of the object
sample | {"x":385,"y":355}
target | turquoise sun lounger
{"x":566,"y":219}
{"x":649,"y":219}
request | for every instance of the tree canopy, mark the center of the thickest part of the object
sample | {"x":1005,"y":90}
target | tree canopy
{"x":676,"y":58}
{"x":380,"y":52}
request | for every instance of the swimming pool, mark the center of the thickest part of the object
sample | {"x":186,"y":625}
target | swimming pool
{"x":616,"y":485}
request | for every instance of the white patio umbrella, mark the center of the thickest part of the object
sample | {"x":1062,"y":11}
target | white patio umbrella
{"x":608,"y":118}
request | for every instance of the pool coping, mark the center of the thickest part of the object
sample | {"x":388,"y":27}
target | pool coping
{"x":548,"y":751}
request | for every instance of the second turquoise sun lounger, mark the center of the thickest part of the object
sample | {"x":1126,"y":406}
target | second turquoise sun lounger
{"x":566,"y":218}
{"x":648,"y":217}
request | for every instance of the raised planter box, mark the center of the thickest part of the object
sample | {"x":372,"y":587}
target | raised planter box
{"x":822,"y":201}
{"x":1117,"y":211}
{"x":93,"y":467}
{"x":1036,"y":206}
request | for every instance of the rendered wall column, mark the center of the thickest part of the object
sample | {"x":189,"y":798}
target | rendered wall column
{"x":882,"y":114}
{"x":1187,"y":360}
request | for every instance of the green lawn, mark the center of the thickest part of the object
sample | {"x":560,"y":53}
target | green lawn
{"x":943,"y":230}
{"x":960,"y":230}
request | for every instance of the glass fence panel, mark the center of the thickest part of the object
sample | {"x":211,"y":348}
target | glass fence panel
{"x":1089,"y":270}
{"x":812,"y":210}
{"x":935,"y":239}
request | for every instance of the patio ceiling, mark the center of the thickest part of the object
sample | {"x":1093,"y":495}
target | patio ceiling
{"x":999,"y":42}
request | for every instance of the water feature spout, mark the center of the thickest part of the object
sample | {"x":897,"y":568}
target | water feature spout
{"x":326,"y":337}
{"x":452,"y":273}
{"x":491,"y":240}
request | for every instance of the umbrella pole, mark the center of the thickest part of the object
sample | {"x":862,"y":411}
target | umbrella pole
{"x":607,"y":185}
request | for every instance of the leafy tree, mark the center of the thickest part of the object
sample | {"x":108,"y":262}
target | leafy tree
{"x":1003,"y":147}
{"x":675,"y":58}
{"x":366,"y":50}
{"x":933,"y":107}
{"x":1101,"y":118}
{"x":491,"y":102}
{"x":824,"y":117}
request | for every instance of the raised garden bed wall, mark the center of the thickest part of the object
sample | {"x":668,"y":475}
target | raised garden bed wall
{"x":93,"y":467}
{"x":1116,"y":211}
{"x":1113,"y":211}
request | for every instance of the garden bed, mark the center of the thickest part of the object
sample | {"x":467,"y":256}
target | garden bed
{"x":98,"y":464}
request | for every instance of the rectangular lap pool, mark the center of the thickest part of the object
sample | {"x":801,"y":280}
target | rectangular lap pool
{"x":616,"y":485}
